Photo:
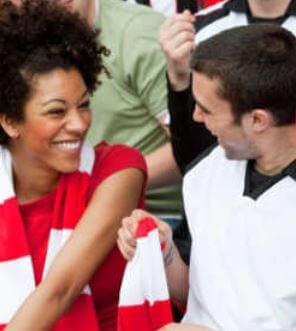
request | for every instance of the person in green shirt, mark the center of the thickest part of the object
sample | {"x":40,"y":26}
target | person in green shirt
{"x":130,"y":107}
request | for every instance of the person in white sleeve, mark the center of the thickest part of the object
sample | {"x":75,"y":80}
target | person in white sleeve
{"x":239,"y":195}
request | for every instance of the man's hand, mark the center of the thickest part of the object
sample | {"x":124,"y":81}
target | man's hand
{"x":176,"y":38}
{"x":183,"y":327}
{"x":126,"y":234}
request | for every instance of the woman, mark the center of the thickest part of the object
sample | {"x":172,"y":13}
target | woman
{"x":51,"y":179}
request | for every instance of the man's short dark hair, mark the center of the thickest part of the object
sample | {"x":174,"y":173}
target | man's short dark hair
{"x":35,"y":38}
{"x":256,"y":67}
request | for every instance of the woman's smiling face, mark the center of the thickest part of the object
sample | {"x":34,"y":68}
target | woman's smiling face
{"x":56,"y":120}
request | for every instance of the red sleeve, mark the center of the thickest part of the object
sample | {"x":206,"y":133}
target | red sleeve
{"x":113,"y":158}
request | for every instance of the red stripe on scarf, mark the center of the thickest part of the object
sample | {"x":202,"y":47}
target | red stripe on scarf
{"x":145,"y":317}
{"x":13,"y":242}
{"x":146,"y":225}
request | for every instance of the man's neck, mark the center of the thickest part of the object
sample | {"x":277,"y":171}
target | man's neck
{"x":268,"y":8}
{"x":279,"y":150}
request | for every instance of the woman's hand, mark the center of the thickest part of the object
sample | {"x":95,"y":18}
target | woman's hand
{"x":126,"y":234}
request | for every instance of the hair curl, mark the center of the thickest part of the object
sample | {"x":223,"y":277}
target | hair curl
{"x":37,"y":37}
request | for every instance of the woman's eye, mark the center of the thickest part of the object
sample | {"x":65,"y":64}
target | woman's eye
{"x":85,"y":105}
{"x":57,"y":111}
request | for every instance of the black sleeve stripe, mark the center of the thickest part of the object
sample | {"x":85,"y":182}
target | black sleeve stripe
{"x":187,"y":4}
{"x":200,"y":157}
{"x":210,"y":18}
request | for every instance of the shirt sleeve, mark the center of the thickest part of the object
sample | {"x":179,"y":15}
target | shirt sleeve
{"x":143,"y":61}
{"x":188,"y":138}
{"x":114,"y":158}
{"x":182,"y":239}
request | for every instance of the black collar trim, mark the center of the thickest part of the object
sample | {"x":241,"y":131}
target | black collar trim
{"x":256,"y":192}
{"x":291,"y":170}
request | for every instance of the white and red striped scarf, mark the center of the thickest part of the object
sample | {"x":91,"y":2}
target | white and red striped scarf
{"x":16,"y":269}
{"x":144,"y":299}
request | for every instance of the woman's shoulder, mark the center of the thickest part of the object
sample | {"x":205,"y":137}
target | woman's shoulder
{"x":117,"y":152}
{"x":112,"y":158}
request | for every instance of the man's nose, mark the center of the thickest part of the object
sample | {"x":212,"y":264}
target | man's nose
{"x":198,"y":115}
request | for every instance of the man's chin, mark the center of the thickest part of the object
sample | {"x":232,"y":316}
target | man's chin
{"x":232,"y":155}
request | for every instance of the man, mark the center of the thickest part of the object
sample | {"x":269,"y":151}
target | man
{"x":130,"y":107}
{"x":239,"y":196}
{"x":178,"y":37}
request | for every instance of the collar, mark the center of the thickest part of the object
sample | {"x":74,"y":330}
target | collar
{"x":241,"y":6}
{"x":238,"y":6}
{"x":291,"y":170}
{"x":256,"y":184}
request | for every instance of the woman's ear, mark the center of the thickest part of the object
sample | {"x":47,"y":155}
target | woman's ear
{"x":9,"y":126}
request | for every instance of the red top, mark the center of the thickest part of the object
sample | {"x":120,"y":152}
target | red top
{"x":37,"y":215}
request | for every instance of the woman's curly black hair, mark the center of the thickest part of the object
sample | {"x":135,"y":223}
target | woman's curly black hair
{"x":37,"y":37}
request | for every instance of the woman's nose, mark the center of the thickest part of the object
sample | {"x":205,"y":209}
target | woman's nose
{"x":78,"y":122}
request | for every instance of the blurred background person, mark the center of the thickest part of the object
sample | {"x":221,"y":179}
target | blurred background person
{"x":131,"y":106}
{"x":170,"y":7}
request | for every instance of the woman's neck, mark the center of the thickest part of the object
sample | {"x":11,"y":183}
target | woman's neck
{"x":268,"y":8}
{"x":31,"y":183}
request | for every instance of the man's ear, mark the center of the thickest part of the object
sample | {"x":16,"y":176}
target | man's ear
{"x":9,"y":126}
{"x":260,"y":120}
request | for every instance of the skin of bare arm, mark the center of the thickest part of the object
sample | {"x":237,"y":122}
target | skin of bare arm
{"x":183,"y":327}
{"x":85,"y":250}
{"x":161,"y":164}
{"x":162,"y":167}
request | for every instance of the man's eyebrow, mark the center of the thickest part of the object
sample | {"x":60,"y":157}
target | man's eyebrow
{"x":202,"y":107}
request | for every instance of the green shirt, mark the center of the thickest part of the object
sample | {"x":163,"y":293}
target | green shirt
{"x":125,"y":107}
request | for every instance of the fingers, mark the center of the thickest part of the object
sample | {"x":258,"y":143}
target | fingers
{"x":127,"y":249}
{"x":126,"y":234}
{"x":164,"y":230}
{"x":177,"y":40}
{"x":175,"y":31}
{"x":165,"y":235}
